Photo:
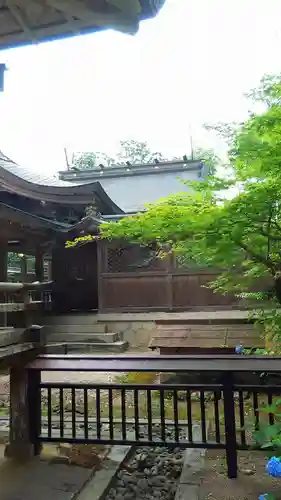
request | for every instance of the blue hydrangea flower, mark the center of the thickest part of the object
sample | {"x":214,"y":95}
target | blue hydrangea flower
{"x":267,"y":496}
{"x":273,"y":467}
{"x":239,"y":349}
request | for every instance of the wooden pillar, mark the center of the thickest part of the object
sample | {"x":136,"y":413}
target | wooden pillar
{"x":3,"y":278}
{"x":39,"y":265}
{"x":24,"y":413}
{"x":49,"y":269}
{"x":3,"y":261}
{"x":24,"y":269}
{"x":101,"y":261}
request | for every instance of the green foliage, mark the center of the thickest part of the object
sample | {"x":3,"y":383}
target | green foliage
{"x":130,"y":150}
{"x":14,"y":259}
{"x":231,"y":223}
{"x":269,"y":322}
{"x":91,"y":160}
{"x":79,"y":240}
{"x":137,"y":378}
{"x":268,"y":436}
{"x":137,"y":152}
{"x":208,"y":157}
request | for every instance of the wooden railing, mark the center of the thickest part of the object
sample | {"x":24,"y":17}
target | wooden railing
{"x":21,"y":296}
{"x":145,"y":414}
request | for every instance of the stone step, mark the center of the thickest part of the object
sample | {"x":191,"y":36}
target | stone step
{"x":204,"y":317}
{"x":72,"y":318}
{"x":76,"y":328}
{"x":86,"y":347}
{"x":82,"y":337}
{"x":212,"y":327}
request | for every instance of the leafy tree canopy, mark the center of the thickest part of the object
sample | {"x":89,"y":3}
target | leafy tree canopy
{"x":130,"y":150}
{"x":91,"y":160}
{"x":231,"y":222}
{"x":137,"y":152}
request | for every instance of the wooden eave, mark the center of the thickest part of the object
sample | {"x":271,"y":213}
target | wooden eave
{"x":33,"y":21}
{"x":32,"y":230}
{"x":12,"y":214}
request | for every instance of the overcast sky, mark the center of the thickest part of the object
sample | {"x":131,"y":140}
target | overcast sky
{"x":191,"y":64}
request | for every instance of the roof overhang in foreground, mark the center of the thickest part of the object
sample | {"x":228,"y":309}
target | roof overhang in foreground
{"x":23,"y":22}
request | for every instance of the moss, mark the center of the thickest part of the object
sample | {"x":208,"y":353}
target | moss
{"x":137,"y":378}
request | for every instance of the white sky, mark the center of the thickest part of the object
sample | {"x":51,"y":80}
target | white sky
{"x":190,"y":64}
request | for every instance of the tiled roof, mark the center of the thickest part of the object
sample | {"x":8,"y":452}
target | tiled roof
{"x":25,"y":182}
{"x":31,"y":175}
{"x":132,"y":187}
{"x":132,"y":194}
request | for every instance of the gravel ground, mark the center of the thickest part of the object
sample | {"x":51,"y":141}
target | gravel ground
{"x":252,"y":479}
{"x":83,"y":377}
{"x":79,"y":377}
{"x":150,"y":473}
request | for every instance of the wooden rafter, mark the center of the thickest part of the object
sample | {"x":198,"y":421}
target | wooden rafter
{"x":27,"y":21}
{"x":19,"y":17}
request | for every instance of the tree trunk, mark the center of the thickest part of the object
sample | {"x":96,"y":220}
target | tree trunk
{"x":277,"y":288}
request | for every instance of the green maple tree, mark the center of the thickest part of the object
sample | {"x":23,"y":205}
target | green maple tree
{"x":230,"y":223}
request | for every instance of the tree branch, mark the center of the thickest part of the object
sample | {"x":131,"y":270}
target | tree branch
{"x":257,"y":257}
{"x":271,"y":236}
{"x":277,"y":225}
{"x":268,"y":230}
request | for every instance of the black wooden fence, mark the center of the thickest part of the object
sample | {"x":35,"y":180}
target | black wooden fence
{"x":154,"y":414}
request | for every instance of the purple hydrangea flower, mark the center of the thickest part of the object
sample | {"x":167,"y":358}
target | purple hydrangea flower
{"x":239,"y":349}
{"x":273,"y":467}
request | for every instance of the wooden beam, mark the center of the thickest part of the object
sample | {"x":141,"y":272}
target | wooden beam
{"x":18,"y":16}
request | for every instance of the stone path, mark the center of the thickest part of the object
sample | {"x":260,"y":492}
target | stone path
{"x":40,"y":478}
{"x":79,"y":377}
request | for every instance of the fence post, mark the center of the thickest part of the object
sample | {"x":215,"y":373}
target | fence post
{"x":230,"y":426}
{"x":34,"y":409}
{"x":22,"y":444}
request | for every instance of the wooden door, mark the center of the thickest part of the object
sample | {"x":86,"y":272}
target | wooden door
{"x":74,"y":272}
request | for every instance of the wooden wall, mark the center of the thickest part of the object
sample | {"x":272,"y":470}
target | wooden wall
{"x":130,"y":280}
{"x":74,"y":272}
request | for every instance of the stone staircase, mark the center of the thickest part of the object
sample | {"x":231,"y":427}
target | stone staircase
{"x":80,"y":332}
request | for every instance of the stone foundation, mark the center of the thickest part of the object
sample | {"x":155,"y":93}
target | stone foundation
{"x":137,"y":333}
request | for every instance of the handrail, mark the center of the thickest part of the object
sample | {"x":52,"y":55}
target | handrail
{"x":132,"y":363}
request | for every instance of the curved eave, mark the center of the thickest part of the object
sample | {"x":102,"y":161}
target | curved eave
{"x":25,"y":23}
{"x":81,"y":194}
